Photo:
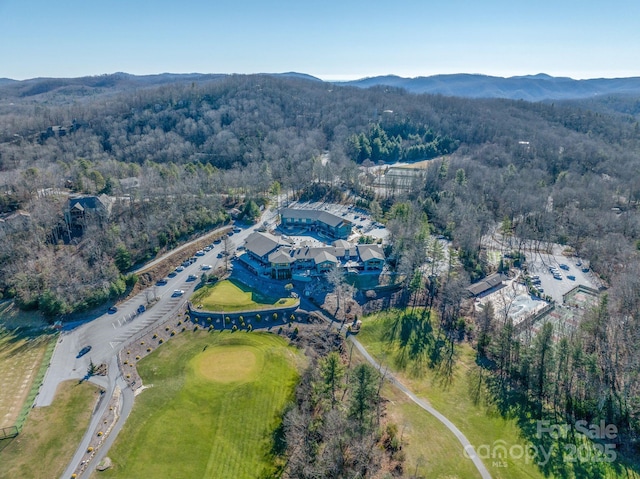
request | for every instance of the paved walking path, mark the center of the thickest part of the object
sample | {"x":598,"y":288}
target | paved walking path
{"x":430,"y":409}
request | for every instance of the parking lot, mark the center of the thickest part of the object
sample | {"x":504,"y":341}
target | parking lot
{"x":558,"y":274}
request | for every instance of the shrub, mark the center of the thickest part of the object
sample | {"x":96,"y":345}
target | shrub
{"x":137,"y":358}
{"x":173,"y":333}
{"x":148,"y":350}
{"x":90,"y":449}
{"x":250,"y":328}
{"x":128,"y":376}
{"x":280,"y":330}
{"x":241,"y":318}
{"x":235,"y":328}
{"x":155,"y":336}
{"x":183,"y":329}
{"x":100,"y":433}
{"x":258,"y":317}
{"x":275,"y":316}
{"x":141,"y":343}
{"x":160,"y":341}
{"x":179,"y":323}
{"x":227,"y":319}
{"x":195,"y":328}
{"x":211,"y":327}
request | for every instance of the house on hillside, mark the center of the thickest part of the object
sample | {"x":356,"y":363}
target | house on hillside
{"x":83,"y":210}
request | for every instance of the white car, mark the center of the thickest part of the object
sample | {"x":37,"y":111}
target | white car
{"x":177,"y":292}
{"x":205,"y":267}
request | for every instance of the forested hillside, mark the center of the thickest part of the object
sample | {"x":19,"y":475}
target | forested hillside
{"x":189,"y":145}
{"x":169,"y":161}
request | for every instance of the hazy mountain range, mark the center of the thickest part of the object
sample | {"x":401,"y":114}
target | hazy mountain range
{"x":531,"y":87}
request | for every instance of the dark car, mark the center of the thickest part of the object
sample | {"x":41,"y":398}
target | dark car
{"x":112,"y":310}
{"x":161,"y":282}
{"x":141,"y":309}
{"x":83,"y":351}
{"x":192,"y":277}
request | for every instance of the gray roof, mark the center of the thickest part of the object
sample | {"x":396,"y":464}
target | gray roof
{"x":102,"y":202}
{"x":370,"y":251}
{"x":261,"y":244}
{"x":281,"y":256}
{"x":315,"y":215}
{"x":344,"y":244}
{"x":325,"y":256}
{"x":486,"y":284}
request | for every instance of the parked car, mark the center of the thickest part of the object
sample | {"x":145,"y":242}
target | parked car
{"x":179,"y":269}
{"x":112,"y":310}
{"x":192,"y":277}
{"x":161,"y":282}
{"x":236,"y":229}
{"x":200,"y":253}
{"x":571,"y":277}
{"x":564,"y":267}
{"x":177,"y":292}
{"x":218,"y":241}
{"x":205,"y":267}
{"x":141,"y":309}
{"x":173,"y":274}
{"x":83,"y":351}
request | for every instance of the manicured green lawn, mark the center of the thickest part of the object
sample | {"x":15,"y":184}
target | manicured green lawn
{"x":456,"y":395}
{"x":214,"y":405}
{"x":232,"y":295}
{"x":51,"y":434}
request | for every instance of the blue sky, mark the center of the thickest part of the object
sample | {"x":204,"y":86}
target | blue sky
{"x":344,"y":39}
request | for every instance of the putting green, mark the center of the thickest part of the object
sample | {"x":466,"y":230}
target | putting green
{"x":216,"y":400}
{"x":226,"y":365}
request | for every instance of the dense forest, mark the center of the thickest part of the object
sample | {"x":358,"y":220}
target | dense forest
{"x":176,"y":157}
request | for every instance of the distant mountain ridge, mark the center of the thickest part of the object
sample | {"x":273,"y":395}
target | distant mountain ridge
{"x":530,"y":87}
{"x":538,"y":87}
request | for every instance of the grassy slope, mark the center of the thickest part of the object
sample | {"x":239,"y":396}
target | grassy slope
{"x":232,"y":295}
{"x":478,"y":420}
{"x":21,"y":359}
{"x":186,"y":426}
{"x":50,"y":435}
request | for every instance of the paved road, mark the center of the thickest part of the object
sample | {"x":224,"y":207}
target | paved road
{"x":109,"y":333}
{"x":430,"y":409}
